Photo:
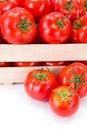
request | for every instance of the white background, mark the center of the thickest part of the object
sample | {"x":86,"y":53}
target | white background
{"x":20,"y":112}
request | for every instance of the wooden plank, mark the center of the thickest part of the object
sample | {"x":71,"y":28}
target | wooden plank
{"x":44,"y":52}
{"x":9,"y":75}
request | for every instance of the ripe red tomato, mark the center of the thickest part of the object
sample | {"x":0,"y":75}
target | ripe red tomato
{"x":18,"y":26}
{"x":26,"y":64}
{"x":75,"y":75}
{"x":39,"y":84}
{"x":6,"y":5}
{"x":67,"y":7}
{"x":64,"y":101}
{"x":5,"y":64}
{"x":20,"y":2}
{"x":82,"y":4}
{"x":56,"y":63}
{"x":79,"y":30}
{"x":38,"y":7}
{"x":55,"y":28}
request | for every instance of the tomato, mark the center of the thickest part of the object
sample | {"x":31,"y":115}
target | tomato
{"x":20,"y":2}
{"x":38,"y":7}
{"x":75,"y":75}
{"x":56,"y":63}
{"x":79,"y":30}
{"x":39,"y":84}
{"x":67,"y":7}
{"x":26,"y":64}
{"x":18,"y":26}
{"x":55,"y":28}
{"x":64,"y":101}
{"x":6,"y":5}
{"x":82,"y":4}
{"x":5,"y":64}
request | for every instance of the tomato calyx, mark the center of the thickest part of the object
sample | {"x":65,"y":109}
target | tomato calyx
{"x":60,"y":22}
{"x":77,"y":79}
{"x":41,"y":75}
{"x":24,"y":24}
{"x":64,"y":94}
{"x":69,"y":6}
{"x":85,"y":4}
{"x":77,"y":24}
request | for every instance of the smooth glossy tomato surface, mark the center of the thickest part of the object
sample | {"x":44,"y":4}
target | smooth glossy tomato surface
{"x":38,"y":7}
{"x":5,"y":64}
{"x":79,"y":30}
{"x":18,"y":26}
{"x":74,"y":75}
{"x":26,"y":64}
{"x":39,"y":84}
{"x":64,"y":101}
{"x":6,"y":5}
{"x":68,"y":7}
{"x":56,"y":63}
{"x":54,"y":28}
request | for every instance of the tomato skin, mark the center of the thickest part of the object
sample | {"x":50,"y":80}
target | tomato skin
{"x":56,"y":63}
{"x":15,"y":31}
{"x":79,"y":34}
{"x":82,"y":9}
{"x":67,"y":74}
{"x":40,"y":89}
{"x":7,"y":5}
{"x":38,"y":7}
{"x":5,"y":64}
{"x":51,"y":30}
{"x":60,"y":6}
{"x":64,"y":108}
{"x":26,"y":64}
{"x":20,"y":3}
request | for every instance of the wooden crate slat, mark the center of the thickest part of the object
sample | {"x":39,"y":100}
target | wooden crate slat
{"x":10,"y":75}
{"x":44,"y":52}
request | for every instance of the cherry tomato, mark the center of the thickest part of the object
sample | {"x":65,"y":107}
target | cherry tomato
{"x":56,"y":63}
{"x":38,"y":7}
{"x":79,"y":30}
{"x":75,"y":75}
{"x":18,"y":26}
{"x":6,"y":5}
{"x":26,"y":64}
{"x":82,"y":4}
{"x":67,"y":7}
{"x":39,"y":84}
{"x":55,"y":28}
{"x":5,"y":64}
{"x":64,"y":101}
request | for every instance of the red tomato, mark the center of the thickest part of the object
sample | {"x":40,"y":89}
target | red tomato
{"x":39,"y":84}
{"x":79,"y":30}
{"x":38,"y":7}
{"x":82,"y":4}
{"x":64,"y":101}
{"x":55,"y":28}
{"x":26,"y":64}
{"x":56,"y":63}
{"x":6,"y":5}
{"x":18,"y":26}
{"x":75,"y":75}
{"x":67,"y":7}
{"x":5,"y":64}
{"x":20,"y":2}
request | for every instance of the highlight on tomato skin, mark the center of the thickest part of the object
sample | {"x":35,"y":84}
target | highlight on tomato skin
{"x":56,"y":63}
{"x":64,"y":101}
{"x":5,"y":64}
{"x":39,"y":83}
{"x":26,"y":64}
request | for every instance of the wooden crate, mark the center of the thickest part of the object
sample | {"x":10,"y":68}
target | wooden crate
{"x":37,"y":52}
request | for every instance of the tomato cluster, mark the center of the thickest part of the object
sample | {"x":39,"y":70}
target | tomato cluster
{"x":63,"y":91}
{"x":55,"y":21}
